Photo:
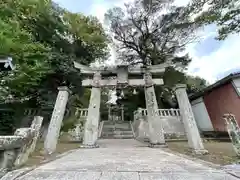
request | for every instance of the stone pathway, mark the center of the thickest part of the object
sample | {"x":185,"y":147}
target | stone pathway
{"x":124,"y":160}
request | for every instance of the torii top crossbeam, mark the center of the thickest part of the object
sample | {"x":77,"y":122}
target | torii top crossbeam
{"x":154,"y":69}
{"x":122,"y":72}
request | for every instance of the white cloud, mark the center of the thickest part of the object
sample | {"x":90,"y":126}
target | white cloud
{"x":100,"y":8}
{"x":181,"y":2}
{"x":225,"y":58}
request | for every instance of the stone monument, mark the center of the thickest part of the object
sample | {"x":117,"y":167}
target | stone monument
{"x":51,"y":139}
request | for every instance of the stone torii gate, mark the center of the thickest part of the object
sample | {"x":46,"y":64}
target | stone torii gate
{"x":123,"y":74}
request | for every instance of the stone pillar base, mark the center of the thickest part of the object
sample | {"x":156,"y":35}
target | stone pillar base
{"x":50,"y":156}
{"x":86,"y":146}
{"x":158,"y":145}
{"x":199,"y":151}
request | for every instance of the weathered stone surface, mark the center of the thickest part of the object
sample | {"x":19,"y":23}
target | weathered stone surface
{"x":194,"y":139}
{"x":24,"y":152}
{"x":91,"y":125}
{"x":76,"y":134}
{"x":119,"y":176}
{"x":36,"y":127}
{"x":17,"y":140}
{"x":31,"y":134}
{"x":7,"y":161}
{"x":172,"y":126}
{"x":15,"y":148}
{"x":58,"y":175}
{"x":185,"y":176}
{"x":17,"y":173}
{"x":156,"y":133}
{"x":51,"y":139}
{"x":83,"y":146}
{"x":122,"y":74}
{"x":233,"y":169}
{"x":10,"y":142}
{"x":233,"y":131}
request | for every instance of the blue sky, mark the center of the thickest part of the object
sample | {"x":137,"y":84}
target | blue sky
{"x":212,"y":59}
{"x":83,"y":6}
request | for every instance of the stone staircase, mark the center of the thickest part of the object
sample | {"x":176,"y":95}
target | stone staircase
{"x":117,"y":130}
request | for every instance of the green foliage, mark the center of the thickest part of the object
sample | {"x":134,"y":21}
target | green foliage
{"x":195,"y":84}
{"x":225,"y":14}
{"x":44,"y":40}
{"x":69,"y":124}
{"x":165,"y":94}
{"x":87,"y":32}
{"x":172,"y":77}
{"x":7,"y":124}
{"x":29,"y":57}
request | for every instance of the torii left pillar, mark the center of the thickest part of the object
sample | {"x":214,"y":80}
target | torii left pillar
{"x":91,"y":124}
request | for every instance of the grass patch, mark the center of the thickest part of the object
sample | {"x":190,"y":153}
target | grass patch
{"x":219,"y":152}
{"x":38,"y":156}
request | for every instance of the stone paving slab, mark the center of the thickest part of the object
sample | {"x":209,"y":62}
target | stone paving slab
{"x":75,"y":175}
{"x":61,"y":175}
{"x":184,"y":176}
{"x":124,"y":160}
{"x":233,"y":169}
{"x":119,"y":175}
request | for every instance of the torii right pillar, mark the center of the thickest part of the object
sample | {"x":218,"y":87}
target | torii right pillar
{"x":156,"y":132}
{"x":91,"y":124}
{"x":191,"y":129}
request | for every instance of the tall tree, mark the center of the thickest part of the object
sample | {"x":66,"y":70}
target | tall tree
{"x":224,"y":13}
{"x":155,"y":32}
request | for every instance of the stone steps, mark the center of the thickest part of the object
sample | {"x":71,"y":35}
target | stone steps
{"x":117,"y":136}
{"x":117,"y":133}
{"x":116,"y":130}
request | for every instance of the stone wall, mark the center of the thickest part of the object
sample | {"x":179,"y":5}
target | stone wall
{"x":140,"y":128}
{"x":172,"y":125}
